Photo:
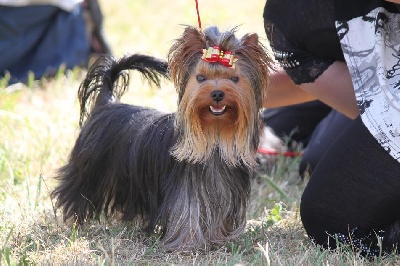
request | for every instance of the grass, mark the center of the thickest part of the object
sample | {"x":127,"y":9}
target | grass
{"x":39,"y":123}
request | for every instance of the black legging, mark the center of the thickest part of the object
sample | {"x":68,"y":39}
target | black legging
{"x":313,"y":125}
{"x":353,"y":195}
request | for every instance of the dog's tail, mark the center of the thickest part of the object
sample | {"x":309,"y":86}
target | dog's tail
{"x":106,"y":81}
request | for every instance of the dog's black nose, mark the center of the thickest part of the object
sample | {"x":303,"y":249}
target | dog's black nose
{"x":217,"y":95}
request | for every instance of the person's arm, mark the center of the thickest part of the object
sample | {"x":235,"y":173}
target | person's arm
{"x":334,"y":87}
{"x":282,"y":91}
{"x":394,"y":1}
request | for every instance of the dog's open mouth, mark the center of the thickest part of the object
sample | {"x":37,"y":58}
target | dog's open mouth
{"x":217,"y":110}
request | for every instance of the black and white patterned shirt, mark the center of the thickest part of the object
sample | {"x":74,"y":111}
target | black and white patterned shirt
{"x":371,"y":46}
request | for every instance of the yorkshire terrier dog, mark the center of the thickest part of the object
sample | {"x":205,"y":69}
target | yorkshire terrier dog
{"x":184,"y":174}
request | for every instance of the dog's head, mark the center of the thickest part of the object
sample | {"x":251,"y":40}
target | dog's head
{"x":221,"y":81}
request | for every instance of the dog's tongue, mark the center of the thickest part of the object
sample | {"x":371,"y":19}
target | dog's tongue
{"x":217,"y":110}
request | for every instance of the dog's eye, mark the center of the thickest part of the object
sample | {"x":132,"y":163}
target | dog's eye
{"x":235,"y":79}
{"x":200,"y":78}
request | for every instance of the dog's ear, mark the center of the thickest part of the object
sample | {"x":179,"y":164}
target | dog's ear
{"x":192,"y":41}
{"x":192,"y":34}
{"x":258,"y":60}
{"x":250,"y":39}
{"x":183,"y":54}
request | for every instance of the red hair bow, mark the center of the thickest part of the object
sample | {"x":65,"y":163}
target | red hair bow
{"x":215,"y":54}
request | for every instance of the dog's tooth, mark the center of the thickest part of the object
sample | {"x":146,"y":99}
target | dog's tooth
{"x":217,"y":109}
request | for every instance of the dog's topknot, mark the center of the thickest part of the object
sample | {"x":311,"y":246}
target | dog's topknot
{"x":225,"y":39}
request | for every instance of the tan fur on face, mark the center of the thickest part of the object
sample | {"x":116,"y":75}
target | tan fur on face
{"x":204,"y":132}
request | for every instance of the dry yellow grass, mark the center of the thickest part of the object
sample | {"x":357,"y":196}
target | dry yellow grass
{"x":38,"y":126}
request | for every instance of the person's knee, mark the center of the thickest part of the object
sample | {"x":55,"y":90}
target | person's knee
{"x":314,"y":219}
{"x":307,"y":212}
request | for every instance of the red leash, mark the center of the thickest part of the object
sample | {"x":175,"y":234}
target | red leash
{"x":198,"y":13}
{"x":283,"y":153}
